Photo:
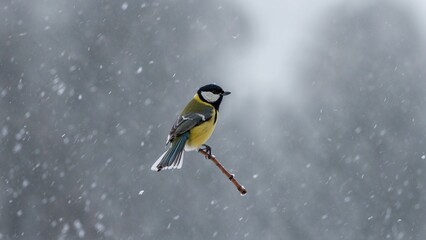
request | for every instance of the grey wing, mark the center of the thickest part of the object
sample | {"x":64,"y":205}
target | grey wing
{"x":187,"y":121}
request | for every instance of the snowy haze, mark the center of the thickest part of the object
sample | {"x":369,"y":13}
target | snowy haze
{"x":325,"y":126}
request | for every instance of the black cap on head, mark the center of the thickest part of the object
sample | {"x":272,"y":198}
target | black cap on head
{"x":214,"y":89}
{"x":211,"y":88}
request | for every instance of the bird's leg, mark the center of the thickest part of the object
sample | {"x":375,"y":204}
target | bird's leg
{"x":207,"y":149}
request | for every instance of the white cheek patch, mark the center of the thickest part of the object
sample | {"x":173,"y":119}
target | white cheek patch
{"x":210,"y":97}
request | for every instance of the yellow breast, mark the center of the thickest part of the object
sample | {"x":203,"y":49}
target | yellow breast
{"x":201,"y":133}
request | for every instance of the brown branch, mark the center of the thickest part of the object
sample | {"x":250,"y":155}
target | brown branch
{"x":239,"y":187}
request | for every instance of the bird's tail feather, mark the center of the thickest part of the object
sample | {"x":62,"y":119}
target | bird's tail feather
{"x":173,"y":157}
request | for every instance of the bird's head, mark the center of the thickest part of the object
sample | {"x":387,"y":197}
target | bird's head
{"x":212,"y":94}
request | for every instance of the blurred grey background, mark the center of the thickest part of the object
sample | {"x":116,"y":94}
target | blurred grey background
{"x":325,"y":125}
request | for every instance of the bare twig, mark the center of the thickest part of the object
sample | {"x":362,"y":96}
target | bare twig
{"x":240,"y":187}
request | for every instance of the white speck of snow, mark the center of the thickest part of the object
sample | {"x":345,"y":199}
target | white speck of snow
{"x":65,"y":228}
{"x":124,"y":6}
{"x":20,"y":134}
{"x":400,"y":235}
{"x":140,"y":69}
{"x":347,"y":199}
{"x":176,"y":217}
{"x":388,"y":214}
{"x":99,"y":227}
{"x":147,"y":102}
{"x":255,"y":176}
{"x":19,"y":213}
{"x":406,"y":183}
{"x":4,"y":131}
{"x":214,"y":234}
{"x":142,"y":143}
{"x":108,"y":161}
{"x":79,"y":228}
{"x":370,"y":217}
{"x":58,"y":86}
{"x":358,"y":130}
{"x":27,"y":115}
{"x":141,"y":192}
{"x":25,"y":183}
{"x":17,"y":148}
{"x":423,"y":156}
{"x":3,"y":93}
{"x":148,"y":132}
{"x":122,"y":131}
{"x":53,"y":223}
{"x":80,"y":97}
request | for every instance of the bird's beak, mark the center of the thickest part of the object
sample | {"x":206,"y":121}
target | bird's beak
{"x":226,"y":93}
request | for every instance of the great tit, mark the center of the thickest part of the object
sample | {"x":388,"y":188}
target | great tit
{"x":193,"y":127}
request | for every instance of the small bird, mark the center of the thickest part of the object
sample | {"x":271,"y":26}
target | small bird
{"x":193,"y":127}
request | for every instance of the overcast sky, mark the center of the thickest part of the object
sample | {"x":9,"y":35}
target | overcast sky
{"x":325,"y":126}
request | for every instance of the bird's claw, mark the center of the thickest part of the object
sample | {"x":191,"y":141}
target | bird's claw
{"x":206,"y":148}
